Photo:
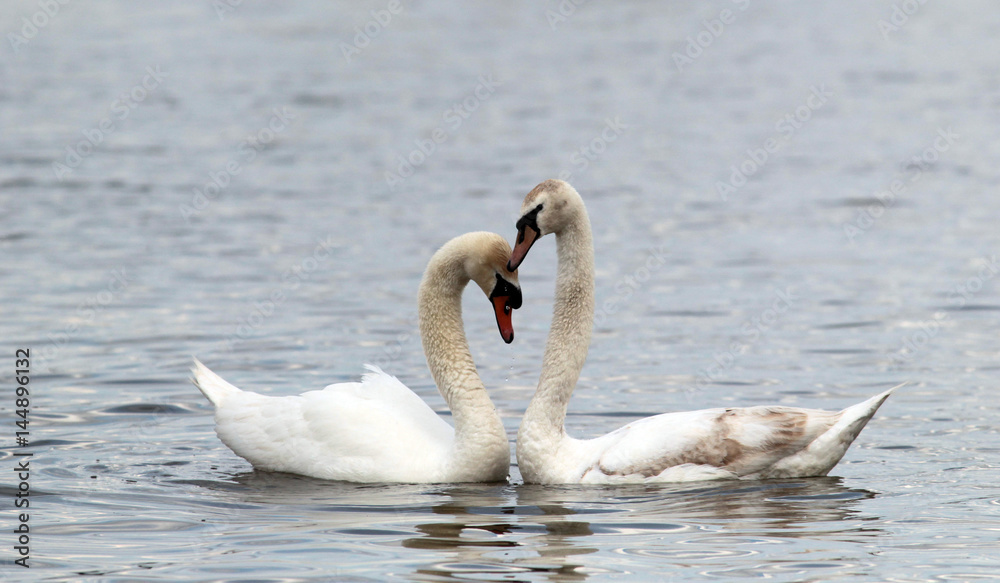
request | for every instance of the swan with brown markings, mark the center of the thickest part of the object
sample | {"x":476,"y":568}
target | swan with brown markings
{"x":750,"y":442}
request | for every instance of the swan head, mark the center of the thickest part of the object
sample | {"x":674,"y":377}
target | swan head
{"x":486,"y":264}
{"x":550,"y":207}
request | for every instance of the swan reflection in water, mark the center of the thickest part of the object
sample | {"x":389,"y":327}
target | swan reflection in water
{"x":546,"y":529}
{"x":556,"y":533}
{"x":504,"y":530}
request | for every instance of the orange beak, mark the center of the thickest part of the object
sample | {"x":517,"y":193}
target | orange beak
{"x":526,"y":237}
{"x":502,"y":309}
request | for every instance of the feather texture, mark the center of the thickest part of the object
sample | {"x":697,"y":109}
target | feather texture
{"x":378,"y":430}
{"x":752,"y":442}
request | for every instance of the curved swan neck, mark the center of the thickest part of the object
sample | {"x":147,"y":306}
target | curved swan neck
{"x":569,"y":336}
{"x":448,"y":357}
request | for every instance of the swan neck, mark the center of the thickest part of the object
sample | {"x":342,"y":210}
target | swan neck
{"x":569,"y":336}
{"x":477,"y":424}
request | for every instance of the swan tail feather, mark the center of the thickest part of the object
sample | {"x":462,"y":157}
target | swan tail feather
{"x":374,"y":370}
{"x":866,"y":409}
{"x":376,"y":373}
{"x":854,"y":418}
{"x":824,"y":452}
{"x":215,"y":388}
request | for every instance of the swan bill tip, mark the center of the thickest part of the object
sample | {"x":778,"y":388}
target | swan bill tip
{"x":503,"y":311}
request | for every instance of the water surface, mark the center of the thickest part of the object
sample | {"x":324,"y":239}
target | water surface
{"x":807,"y":285}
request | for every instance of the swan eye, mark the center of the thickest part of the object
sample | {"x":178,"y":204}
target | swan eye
{"x":506,"y":309}
{"x":530,"y":219}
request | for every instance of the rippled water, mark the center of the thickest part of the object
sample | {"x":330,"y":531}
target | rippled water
{"x":806,"y":285}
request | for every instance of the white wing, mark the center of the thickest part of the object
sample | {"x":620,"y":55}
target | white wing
{"x":371,"y":431}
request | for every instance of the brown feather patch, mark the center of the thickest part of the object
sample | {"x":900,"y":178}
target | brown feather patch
{"x":722,"y":449}
{"x":546,"y":186}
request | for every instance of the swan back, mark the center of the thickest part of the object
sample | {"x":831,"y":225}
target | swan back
{"x":750,"y":442}
{"x":376,"y":430}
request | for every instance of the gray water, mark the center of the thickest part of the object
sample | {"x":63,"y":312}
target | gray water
{"x":812,"y":284}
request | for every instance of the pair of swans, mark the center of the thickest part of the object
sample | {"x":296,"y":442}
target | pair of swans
{"x":380,"y":431}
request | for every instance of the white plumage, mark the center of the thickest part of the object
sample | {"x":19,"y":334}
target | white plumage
{"x":752,"y":442}
{"x":378,"y":430}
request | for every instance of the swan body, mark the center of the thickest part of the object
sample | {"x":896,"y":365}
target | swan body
{"x":378,"y":430}
{"x":751,"y":442}
{"x":373,"y":430}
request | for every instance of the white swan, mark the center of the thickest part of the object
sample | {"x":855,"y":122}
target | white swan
{"x":378,"y":430}
{"x":752,"y":442}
